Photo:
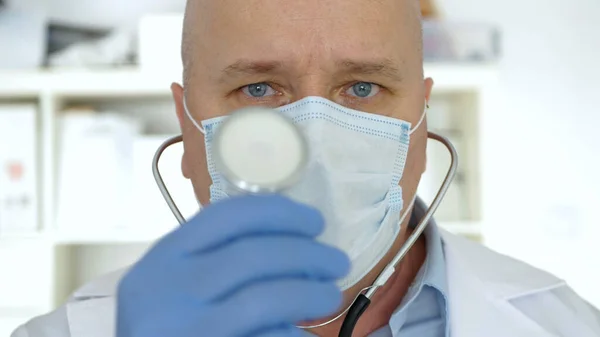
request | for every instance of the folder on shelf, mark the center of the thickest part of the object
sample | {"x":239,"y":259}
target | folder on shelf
{"x":18,"y":171}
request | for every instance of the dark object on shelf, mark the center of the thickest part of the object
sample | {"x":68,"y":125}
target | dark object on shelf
{"x":62,"y":36}
{"x":75,"y":46}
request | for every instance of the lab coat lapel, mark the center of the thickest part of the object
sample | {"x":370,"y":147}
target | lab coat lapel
{"x":92,"y":318}
{"x":92,"y":311}
{"x":481,"y":284}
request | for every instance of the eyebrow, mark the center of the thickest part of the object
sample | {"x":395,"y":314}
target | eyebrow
{"x":245,"y":67}
{"x":384,"y":67}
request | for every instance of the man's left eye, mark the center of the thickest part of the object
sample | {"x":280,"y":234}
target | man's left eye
{"x":258,"y":90}
{"x":363,"y":90}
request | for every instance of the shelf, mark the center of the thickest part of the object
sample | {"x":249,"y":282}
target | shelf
{"x":88,"y":237}
{"x":123,"y":82}
{"x":26,"y":236}
{"x":87,"y":83}
{"x":461,"y":77}
{"x":115,"y":236}
{"x":6,"y":312}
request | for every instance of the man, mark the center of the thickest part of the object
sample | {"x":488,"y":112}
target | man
{"x":252,"y":265}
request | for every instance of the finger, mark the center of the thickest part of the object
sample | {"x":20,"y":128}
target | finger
{"x":253,"y":259}
{"x":246,"y":215}
{"x":267,"y":305}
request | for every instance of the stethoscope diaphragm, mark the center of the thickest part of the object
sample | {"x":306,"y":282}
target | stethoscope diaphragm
{"x":259,"y":150}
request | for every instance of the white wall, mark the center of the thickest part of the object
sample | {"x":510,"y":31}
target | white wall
{"x":546,"y":191}
{"x":103,"y":13}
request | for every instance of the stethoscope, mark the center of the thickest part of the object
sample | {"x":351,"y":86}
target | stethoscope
{"x":224,"y":152}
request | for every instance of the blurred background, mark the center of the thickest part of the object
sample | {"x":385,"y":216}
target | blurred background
{"x":84,"y":103}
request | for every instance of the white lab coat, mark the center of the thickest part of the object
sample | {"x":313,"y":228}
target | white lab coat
{"x":490,"y":295}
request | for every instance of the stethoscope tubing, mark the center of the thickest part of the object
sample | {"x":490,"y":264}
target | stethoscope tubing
{"x":362,"y":301}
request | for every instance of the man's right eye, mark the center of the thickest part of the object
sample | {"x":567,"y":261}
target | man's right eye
{"x":258,"y":90}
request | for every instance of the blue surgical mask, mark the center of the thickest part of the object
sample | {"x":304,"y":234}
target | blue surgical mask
{"x":356,"y":162}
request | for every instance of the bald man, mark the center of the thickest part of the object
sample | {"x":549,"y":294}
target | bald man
{"x":350,"y":74}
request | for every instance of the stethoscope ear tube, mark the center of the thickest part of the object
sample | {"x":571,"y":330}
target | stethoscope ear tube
{"x":356,"y":310}
{"x":159,"y":180}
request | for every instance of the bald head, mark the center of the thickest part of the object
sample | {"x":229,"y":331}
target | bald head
{"x":206,"y":19}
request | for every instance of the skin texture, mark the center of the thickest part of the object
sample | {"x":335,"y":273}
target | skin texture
{"x":309,"y":48}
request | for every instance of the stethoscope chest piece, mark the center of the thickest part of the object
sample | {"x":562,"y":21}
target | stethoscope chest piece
{"x":259,"y":150}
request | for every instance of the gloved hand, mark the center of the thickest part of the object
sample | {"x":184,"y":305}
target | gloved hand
{"x":247,"y":266}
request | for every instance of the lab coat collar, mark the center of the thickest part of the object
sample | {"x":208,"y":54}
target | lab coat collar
{"x":104,"y":286}
{"x":501,"y":276}
{"x":482,"y":283}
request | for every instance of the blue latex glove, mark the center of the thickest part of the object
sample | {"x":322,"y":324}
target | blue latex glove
{"x":247,"y":266}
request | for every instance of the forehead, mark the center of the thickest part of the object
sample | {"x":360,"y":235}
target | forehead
{"x":307,"y":32}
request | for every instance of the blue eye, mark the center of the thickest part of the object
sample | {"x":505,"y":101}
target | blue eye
{"x":363,"y":90}
{"x":258,"y":90}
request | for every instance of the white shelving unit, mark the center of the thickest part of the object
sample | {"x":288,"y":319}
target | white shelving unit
{"x":55,"y":261}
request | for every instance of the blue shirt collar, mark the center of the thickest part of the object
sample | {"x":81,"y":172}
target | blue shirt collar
{"x":435,"y":263}
{"x":432,"y":273}
{"x":433,"y":270}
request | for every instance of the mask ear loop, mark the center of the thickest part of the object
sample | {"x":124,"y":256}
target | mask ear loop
{"x":156,"y":172}
{"x":425,"y":110}
{"x":198,"y":126}
{"x":189,"y":115}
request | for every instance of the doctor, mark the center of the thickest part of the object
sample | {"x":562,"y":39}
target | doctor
{"x":351,"y":74}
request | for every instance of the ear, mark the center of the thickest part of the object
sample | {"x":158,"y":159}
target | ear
{"x":428,"y":84}
{"x":178,"y":97}
{"x":428,"y":88}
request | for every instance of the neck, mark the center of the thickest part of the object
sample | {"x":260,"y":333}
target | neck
{"x":388,"y":297}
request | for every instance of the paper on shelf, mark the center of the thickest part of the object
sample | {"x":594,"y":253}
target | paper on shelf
{"x":106,"y":183}
{"x":95,"y":170}
{"x":18,"y":171}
